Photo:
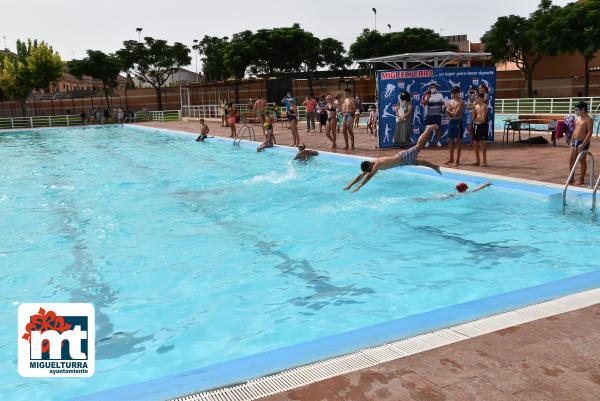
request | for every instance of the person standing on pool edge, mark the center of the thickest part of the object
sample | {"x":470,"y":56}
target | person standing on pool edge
{"x":404,"y":158}
{"x":348,"y":111}
{"x":454,"y":110}
{"x":480,"y":134}
{"x":584,"y":127}
{"x":435,"y":103}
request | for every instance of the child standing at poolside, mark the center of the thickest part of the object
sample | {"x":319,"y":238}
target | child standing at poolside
{"x":581,"y":138}
{"x":372,"y":124}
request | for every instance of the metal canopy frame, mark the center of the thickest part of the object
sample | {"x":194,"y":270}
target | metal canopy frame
{"x":431,"y":59}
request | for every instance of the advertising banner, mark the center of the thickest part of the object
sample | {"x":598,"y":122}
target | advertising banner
{"x":418,"y":83}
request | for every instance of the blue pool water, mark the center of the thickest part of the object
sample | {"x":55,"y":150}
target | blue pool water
{"x":198,"y":253}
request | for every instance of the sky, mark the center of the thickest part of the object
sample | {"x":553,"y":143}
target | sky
{"x":73,"y":26}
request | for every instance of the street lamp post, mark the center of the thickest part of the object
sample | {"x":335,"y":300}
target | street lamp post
{"x":390,"y":27}
{"x":196,"y":49}
{"x":139,"y":31}
{"x":375,"y":13}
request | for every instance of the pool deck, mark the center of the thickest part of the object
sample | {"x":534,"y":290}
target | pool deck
{"x":547,"y":359}
{"x":556,"y":358}
{"x":533,"y":162}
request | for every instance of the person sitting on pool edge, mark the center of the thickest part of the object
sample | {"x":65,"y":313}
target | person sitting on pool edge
{"x":304,"y":154}
{"x":270,"y":136}
{"x":203,"y":131}
{"x":461,"y":188}
{"x":404,"y":158}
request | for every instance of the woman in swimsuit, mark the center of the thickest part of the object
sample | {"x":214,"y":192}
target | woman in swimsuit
{"x":268,"y":126}
{"x":331,"y":127}
{"x":232,"y":112}
{"x":293,"y":119}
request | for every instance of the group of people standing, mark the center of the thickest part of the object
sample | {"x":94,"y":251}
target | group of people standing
{"x":332,"y":113}
{"x":476,"y":108}
{"x":100,"y":116}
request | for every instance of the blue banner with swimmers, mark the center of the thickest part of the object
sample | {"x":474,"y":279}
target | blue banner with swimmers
{"x":429,"y":91}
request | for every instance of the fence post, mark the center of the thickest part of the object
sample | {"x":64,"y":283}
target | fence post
{"x":49,"y":121}
{"x":178,"y":115}
{"x":31,"y":122}
{"x":68,"y":125}
{"x":534,"y":105}
{"x":12,"y":122}
{"x":518,"y":106}
{"x":552,"y":106}
{"x":570,"y":104}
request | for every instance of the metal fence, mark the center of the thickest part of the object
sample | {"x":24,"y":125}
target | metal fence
{"x":70,"y":120}
{"x":563,"y":105}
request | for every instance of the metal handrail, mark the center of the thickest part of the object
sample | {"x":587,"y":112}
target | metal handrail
{"x":594,"y":193}
{"x":246,"y":129}
{"x":577,"y":161}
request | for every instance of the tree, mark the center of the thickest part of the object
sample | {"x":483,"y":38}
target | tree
{"x":154,"y":61}
{"x":334,"y":54}
{"x":35,"y":66}
{"x":370,"y":44}
{"x":212,"y":50}
{"x":522,"y":41}
{"x":238,"y":54}
{"x":101,"y":66}
{"x":575,"y":28}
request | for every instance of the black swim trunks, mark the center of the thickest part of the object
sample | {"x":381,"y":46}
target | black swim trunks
{"x":481,"y":132}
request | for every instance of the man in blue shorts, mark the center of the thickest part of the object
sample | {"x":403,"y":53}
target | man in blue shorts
{"x":454,"y":110}
{"x":404,"y":158}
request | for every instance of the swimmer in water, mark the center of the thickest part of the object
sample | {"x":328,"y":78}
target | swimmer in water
{"x":203,"y":131}
{"x":304,"y":154}
{"x":404,"y":158}
{"x":270,"y":136}
{"x":462,"y":189}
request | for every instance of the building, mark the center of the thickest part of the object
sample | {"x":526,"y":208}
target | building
{"x":69,"y":83}
{"x":461,"y":42}
{"x":182,"y":75}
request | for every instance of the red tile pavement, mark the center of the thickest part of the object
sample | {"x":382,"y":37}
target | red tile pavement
{"x":533,"y":162}
{"x":534,"y":361}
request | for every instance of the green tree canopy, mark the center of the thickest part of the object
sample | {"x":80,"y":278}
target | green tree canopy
{"x":212,"y":50}
{"x":371,"y":44}
{"x":575,"y":28}
{"x":101,"y":66}
{"x":522,"y":41}
{"x":153,"y":61}
{"x":269,"y":52}
{"x":35,"y":66}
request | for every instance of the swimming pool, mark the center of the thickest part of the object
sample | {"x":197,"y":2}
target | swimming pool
{"x":199,"y":253}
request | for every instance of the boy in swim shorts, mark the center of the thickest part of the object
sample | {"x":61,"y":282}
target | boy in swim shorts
{"x":404,"y":158}
{"x":581,"y":138}
{"x":203,"y":131}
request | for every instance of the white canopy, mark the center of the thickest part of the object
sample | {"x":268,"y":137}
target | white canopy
{"x":431,"y":59}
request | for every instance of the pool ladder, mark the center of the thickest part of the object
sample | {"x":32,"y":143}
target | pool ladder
{"x":245,"y":130}
{"x":583,"y":154}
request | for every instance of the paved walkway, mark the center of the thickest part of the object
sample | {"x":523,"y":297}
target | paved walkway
{"x":533,"y":162}
{"x":552,"y":359}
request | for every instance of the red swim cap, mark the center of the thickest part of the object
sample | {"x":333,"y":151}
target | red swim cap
{"x":462,"y":187}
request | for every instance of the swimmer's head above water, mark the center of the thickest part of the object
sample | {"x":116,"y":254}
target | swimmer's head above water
{"x":366,"y":166}
{"x":302,"y":147}
{"x":462,"y":187}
